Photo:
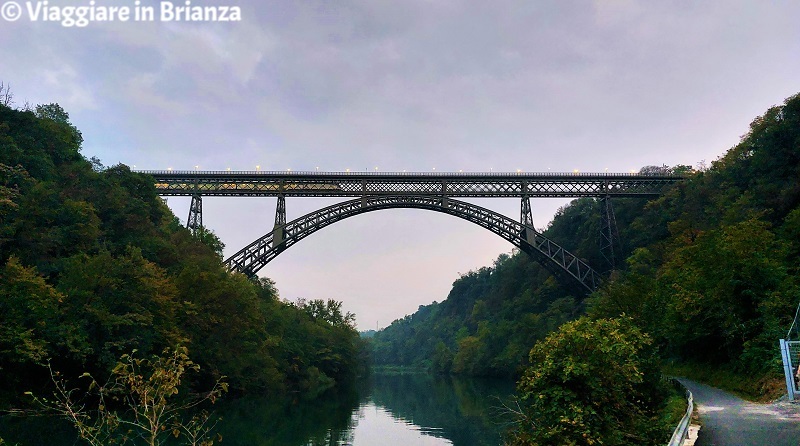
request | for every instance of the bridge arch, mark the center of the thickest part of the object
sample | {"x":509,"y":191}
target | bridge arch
{"x":564,"y":265}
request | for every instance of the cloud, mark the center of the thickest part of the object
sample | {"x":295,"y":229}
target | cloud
{"x":74,"y":89}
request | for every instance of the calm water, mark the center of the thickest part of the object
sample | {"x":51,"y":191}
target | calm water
{"x":410,"y":409}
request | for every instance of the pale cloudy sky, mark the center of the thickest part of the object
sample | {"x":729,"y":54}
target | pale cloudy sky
{"x":412,"y":84}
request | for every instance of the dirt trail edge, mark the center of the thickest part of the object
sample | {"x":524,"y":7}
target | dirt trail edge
{"x":731,"y":421}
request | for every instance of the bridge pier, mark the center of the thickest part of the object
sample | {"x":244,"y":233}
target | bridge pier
{"x":280,"y":221}
{"x":195,"y":220}
{"x":609,"y":243}
{"x":526,"y":218}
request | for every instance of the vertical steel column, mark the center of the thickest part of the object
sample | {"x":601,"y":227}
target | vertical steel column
{"x":195,"y":220}
{"x":608,"y":229}
{"x":526,"y":218}
{"x":280,"y":221}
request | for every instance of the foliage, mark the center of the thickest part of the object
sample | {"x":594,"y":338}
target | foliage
{"x":208,"y":238}
{"x":710,"y":272}
{"x":715,"y":280}
{"x":29,"y":308}
{"x":147,"y":392}
{"x":591,"y":382}
{"x":93,"y":265}
{"x":493,"y":315}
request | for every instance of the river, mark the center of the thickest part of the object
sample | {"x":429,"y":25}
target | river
{"x":385,"y":410}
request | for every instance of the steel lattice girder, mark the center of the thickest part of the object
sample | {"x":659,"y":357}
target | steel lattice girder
{"x":195,"y":220}
{"x":256,"y":255}
{"x":344,"y":184}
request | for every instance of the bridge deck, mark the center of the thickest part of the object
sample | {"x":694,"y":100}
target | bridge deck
{"x":450,"y":184}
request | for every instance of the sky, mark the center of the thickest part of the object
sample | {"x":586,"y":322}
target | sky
{"x":404,"y":85}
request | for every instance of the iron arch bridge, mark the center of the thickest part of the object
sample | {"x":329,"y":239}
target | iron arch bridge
{"x":256,"y":255}
{"x":433,"y":191}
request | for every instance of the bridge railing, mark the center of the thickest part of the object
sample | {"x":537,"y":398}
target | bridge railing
{"x":408,"y":174}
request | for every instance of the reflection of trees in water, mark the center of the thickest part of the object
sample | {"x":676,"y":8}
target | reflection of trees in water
{"x":37,"y":430}
{"x":464,"y":411}
{"x":266,"y":422}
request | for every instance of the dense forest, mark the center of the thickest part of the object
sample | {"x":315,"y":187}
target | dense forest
{"x":93,"y":265}
{"x":709,"y":282}
{"x":494,"y":315}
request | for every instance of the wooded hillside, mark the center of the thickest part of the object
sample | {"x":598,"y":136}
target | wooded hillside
{"x":710,"y":272}
{"x":94,"y":265}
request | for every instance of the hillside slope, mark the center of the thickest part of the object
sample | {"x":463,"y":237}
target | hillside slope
{"x":711,"y":272}
{"x":93,"y":265}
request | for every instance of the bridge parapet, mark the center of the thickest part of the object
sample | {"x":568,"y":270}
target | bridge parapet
{"x":450,"y":184}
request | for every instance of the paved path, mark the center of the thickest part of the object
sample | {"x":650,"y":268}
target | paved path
{"x":731,"y":421}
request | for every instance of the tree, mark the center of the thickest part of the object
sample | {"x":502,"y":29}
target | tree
{"x":208,"y":238}
{"x":55,"y":113}
{"x":6,"y":97}
{"x":121,"y":302}
{"x":591,"y":382}
{"x":442,"y":358}
{"x":30,"y":309}
{"x":727,"y":293}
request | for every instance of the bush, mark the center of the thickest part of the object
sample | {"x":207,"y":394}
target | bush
{"x":591,"y":382}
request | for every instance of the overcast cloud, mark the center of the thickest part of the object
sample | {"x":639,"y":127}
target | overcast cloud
{"x":416,"y":85}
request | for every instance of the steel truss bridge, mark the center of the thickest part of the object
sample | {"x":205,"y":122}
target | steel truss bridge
{"x":430,"y":191}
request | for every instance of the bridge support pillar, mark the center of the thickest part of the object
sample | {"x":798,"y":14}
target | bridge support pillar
{"x":609,"y":243}
{"x":526,"y":218}
{"x":195,"y":220}
{"x":280,"y":221}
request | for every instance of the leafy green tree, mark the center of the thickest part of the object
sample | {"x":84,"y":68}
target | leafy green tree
{"x":208,"y":238}
{"x":123,"y":302}
{"x":722,"y":292}
{"x":442,"y":358}
{"x":54,"y":113}
{"x":30,"y":309}
{"x":470,"y":357}
{"x":591,"y":382}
